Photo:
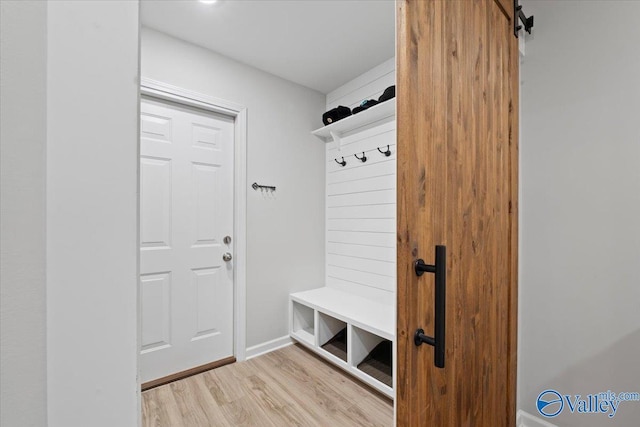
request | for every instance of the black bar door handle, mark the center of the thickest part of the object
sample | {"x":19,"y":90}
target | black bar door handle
{"x":440,"y":271}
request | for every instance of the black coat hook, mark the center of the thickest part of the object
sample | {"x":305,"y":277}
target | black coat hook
{"x":386,"y":153}
{"x":342,"y":163}
{"x":362,"y":159}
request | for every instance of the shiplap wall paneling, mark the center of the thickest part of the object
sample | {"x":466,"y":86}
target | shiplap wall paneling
{"x":361,"y":214}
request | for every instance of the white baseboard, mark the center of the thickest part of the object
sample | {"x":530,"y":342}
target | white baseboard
{"x":269,"y":346}
{"x":525,"y":419}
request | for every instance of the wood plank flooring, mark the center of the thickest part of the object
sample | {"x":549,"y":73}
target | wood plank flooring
{"x":287,"y":387}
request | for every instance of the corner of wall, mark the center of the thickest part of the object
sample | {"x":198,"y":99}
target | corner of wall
{"x":91,"y":213}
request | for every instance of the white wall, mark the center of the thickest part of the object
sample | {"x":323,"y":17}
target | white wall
{"x":23,"y":128}
{"x":92,"y":163}
{"x":285,"y":233}
{"x":580,"y":231}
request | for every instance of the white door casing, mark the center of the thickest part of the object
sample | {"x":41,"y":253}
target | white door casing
{"x":186,"y":209}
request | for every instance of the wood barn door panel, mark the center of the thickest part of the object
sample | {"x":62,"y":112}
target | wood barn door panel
{"x":457,"y":186}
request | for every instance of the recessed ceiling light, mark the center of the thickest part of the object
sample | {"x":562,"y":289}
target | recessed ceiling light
{"x":208,"y":1}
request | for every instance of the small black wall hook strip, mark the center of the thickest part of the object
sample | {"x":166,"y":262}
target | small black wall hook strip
{"x":386,"y":153}
{"x":342,"y":163}
{"x":518,"y":17}
{"x":257,"y":186}
{"x":440,"y":296}
{"x":362,"y":159}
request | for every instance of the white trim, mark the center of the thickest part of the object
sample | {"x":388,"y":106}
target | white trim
{"x":524,"y":419}
{"x":180,"y":95}
{"x":183,"y":96}
{"x":269,"y":346}
{"x":240,"y":231}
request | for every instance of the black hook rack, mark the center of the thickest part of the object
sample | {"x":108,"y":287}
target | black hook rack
{"x":386,"y":153}
{"x":257,"y":186}
{"x":343,"y":163}
{"x":519,"y":16}
{"x":362,"y":159}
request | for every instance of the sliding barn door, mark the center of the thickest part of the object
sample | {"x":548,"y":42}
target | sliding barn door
{"x":457,"y":187}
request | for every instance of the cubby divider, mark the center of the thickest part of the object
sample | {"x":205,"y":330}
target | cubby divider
{"x":303,"y":322}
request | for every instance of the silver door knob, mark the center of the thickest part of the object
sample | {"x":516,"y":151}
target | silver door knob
{"x":227,"y":257}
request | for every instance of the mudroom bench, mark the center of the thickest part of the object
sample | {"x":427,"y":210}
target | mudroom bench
{"x":352,"y":332}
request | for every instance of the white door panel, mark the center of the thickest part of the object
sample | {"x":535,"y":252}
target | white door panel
{"x":155,"y":299}
{"x":186,"y":209}
{"x":155,"y":223}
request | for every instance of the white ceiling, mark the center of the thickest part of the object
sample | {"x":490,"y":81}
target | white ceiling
{"x":321,"y":44}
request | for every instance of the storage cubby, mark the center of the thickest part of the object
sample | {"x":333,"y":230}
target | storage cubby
{"x":302,"y":322}
{"x":372,"y":355}
{"x":353,"y":333}
{"x":332,"y":336}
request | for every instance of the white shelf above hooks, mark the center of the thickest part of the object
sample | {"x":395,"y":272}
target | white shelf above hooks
{"x":335,"y":131}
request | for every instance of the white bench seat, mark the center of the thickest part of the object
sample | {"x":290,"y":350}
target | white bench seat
{"x":366,"y":314}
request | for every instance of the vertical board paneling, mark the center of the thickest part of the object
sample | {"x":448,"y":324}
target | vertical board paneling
{"x":457,"y":179}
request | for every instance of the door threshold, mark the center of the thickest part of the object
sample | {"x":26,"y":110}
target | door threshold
{"x":187,"y":373}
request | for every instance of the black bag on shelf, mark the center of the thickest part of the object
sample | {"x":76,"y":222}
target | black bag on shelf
{"x":364,"y":105}
{"x":388,"y":93}
{"x":335,"y":114}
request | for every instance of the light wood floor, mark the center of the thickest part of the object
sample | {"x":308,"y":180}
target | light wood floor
{"x":287,"y":387}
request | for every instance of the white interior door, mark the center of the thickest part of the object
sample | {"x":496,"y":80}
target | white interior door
{"x":186,"y":210}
